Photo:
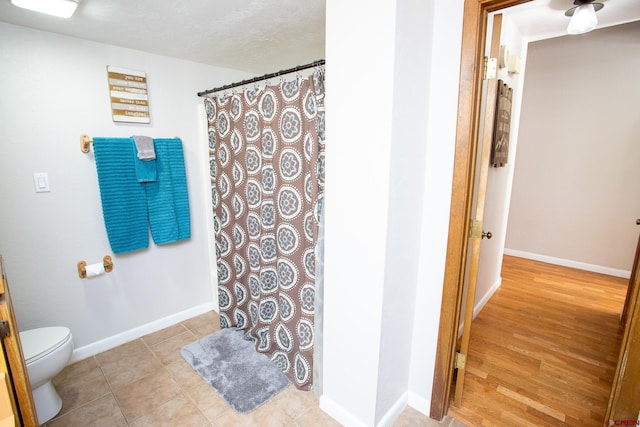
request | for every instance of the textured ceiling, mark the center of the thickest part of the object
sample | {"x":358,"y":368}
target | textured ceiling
{"x":542,"y":19}
{"x":259,"y":36}
{"x":252,"y":35}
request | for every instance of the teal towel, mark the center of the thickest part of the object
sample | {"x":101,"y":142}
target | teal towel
{"x":167,"y":197}
{"x":145,"y":166}
{"x":124,"y":206}
{"x":145,"y":170}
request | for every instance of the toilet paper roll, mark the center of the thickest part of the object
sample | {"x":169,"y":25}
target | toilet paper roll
{"x":95,"y":269}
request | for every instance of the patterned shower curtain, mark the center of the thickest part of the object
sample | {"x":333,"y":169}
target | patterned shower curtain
{"x":267,"y":175}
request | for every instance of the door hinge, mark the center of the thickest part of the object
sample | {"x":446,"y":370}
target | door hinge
{"x":5,"y":331}
{"x":461,"y":360}
{"x":475,"y":228}
{"x":490,"y":68}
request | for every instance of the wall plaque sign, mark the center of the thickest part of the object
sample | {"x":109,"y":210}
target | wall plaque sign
{"x":129,"y":96}
{"x":502,"y":125}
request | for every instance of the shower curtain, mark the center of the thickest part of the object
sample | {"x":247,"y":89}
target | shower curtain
{"x":267,"y":175}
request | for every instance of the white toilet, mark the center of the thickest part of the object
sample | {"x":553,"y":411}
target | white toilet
{"x":46,"y":352}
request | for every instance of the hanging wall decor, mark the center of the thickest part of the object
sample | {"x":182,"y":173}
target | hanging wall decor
{"x":502,"y":124}
{"x":128,"y":94}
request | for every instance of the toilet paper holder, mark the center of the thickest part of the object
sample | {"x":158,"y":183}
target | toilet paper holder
{"x":82,"y":266}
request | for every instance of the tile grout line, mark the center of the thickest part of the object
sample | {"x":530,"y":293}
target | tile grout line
{"x":113,"y":394}
{"x":64,"y":414}
{"x":164,"y":368}
{"x":304,"y":409}
{"x":166,"y":339}
{"x":110,"y":392}
{"x":182,"y":390}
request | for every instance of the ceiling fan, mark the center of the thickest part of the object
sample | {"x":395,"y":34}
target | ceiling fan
{"x":583,"y":16}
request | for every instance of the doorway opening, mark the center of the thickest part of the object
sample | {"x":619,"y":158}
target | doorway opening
{"x":475,"y":24}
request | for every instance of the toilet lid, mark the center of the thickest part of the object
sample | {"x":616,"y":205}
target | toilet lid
{"x":37,"y":343}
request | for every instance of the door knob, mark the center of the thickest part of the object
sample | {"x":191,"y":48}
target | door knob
{"x":488,"y":234}
{"x":638,"y":221}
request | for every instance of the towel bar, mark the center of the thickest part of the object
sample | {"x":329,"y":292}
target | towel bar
{"x":85,"y":140}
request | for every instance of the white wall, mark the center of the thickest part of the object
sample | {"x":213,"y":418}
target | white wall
{"x":357,"y":194}
{"x":575,"y":195}
{"x":380,"y":301}
{"x":442,"y":81}
{"x":406,"y":192}
{"x":54,"y":88}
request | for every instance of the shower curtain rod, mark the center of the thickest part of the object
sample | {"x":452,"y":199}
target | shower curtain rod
{"x":265,"y":77}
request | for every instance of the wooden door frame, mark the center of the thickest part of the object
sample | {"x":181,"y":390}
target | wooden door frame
{"x":633,"y":285}
{"x":13,"y":356}
{"x":624,"y":378}
{"x":467,"y":126}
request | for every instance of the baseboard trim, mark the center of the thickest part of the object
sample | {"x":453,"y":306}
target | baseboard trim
{"x":483,"y":301}
{"x":569,"y":263}
{"x":105,"y":344}
{"x":394,"y":412}
{"x":418,"y":403}
{"x":338,"y":413}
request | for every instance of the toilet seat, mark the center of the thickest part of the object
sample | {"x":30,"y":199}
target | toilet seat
{"x":38,"y":343}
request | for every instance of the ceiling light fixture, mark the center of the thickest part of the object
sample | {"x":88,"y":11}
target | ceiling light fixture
{"x":60,"y":8}
{"x":583,"y":16}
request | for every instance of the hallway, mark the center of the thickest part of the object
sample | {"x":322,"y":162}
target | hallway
{"x":544,"y":349}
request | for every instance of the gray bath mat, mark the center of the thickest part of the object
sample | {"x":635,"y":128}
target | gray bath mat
{"x":243,"y":377}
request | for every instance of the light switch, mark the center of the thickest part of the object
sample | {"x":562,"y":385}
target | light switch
{"x":41,"y":182}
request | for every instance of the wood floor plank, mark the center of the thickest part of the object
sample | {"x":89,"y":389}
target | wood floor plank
{"x":531,"y":403}
{"x":544,"y":349}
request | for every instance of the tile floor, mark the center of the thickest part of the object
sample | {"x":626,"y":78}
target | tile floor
{"x":147,"y":383}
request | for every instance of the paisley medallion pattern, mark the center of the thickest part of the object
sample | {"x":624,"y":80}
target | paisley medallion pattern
{"x":253,"y":225}
{"x":240,"y":266}
{"x":236,"y":141}
{"x":290,"y":125}
{"x":224,"y":123}
{"x":210,"y":108}
{"x":266,"y":153}
{"x":268,"y":105}
{"x":281,"y":361}
{"x":225,"y":186}
{"x":236,"y":108}
{"x":304,"y":330}
{"x":269,"y":143}
{"x":238,"y":237}
{"x":290,"y":164}
{"x":241,"y":318}
{"x":268,"y":310}
{"x":268,"y":180}
{"x":223,"y":242}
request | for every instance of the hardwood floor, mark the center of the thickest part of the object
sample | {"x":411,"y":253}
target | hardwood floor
{"x":544,"y":349}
